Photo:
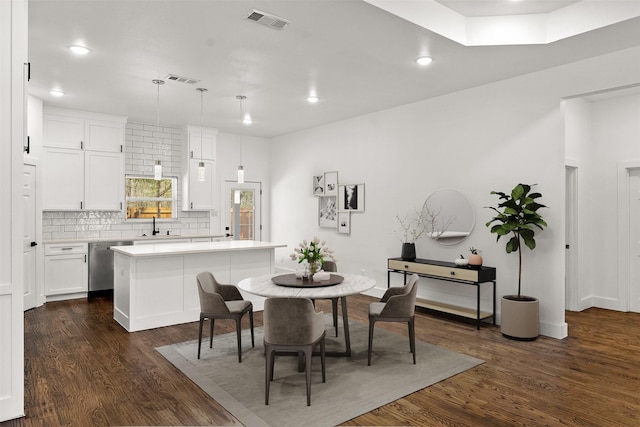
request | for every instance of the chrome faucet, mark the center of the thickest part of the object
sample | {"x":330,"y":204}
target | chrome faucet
{"x":155,"y":230}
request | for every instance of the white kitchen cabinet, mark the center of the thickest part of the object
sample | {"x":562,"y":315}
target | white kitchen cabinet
{"x":63,"y":179}
{"x":103,"y":180}
{"x":104,"y":135}
{"x":83,"y":167}
{"x":201,"y":142}
{"x":196,"y":194}
{"x":63,"y":131}
{"x":201,"y":147}
{"x":65,"y":271}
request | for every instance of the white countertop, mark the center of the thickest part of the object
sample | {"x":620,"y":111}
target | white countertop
{"x":134,"y":238}
{"x":192,"y":248}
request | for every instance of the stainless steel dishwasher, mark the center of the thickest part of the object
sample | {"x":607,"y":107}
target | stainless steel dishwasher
{"x":101,"y":264}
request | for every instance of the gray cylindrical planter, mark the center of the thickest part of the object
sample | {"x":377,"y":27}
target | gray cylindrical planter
{"x":519,"y":318}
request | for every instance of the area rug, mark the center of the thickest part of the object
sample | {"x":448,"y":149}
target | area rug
{"x":352,"y":388}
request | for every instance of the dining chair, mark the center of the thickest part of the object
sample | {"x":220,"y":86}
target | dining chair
{"x":398,"y":304}
{"x":219,"y":301}
{"x":332,"y":267}
{"x":292,"y":325}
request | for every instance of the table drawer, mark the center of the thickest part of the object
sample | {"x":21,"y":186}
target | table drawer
{"x":434,"y":270}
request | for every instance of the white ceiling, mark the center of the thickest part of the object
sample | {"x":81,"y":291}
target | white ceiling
{"x":357,"y":57}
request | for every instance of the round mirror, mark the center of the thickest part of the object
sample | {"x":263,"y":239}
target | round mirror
{"x":449,"y":217}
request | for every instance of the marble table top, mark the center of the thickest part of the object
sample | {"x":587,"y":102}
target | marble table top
{"x":263,"y":286}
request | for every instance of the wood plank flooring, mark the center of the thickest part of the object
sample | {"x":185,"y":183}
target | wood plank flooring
{"x":83,"y":369}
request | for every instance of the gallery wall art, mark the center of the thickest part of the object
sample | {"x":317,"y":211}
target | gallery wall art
{"x":337,"y":201}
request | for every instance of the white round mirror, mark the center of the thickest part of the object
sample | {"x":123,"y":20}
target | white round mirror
{"x":449,"y":217}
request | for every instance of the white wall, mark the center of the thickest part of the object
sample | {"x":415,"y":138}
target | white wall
{"x":474,"y":141}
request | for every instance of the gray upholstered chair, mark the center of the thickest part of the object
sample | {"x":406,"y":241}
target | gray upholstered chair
{"x":292,"y":325}
{"x":218,"y":301}
{"x":398,"y":304}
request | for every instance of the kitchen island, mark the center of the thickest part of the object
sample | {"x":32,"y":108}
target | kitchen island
{"x":155,"y":285}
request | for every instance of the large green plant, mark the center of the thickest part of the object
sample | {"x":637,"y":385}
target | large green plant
{"x":518,"y":217}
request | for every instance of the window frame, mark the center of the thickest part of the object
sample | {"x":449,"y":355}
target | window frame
{"x":173,"y":199}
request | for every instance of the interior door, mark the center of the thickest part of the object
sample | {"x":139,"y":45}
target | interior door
{"x":241,"y":210}
{"x":634,"y":240}
{"x":29,"y":236}
{"x":572,"y":293}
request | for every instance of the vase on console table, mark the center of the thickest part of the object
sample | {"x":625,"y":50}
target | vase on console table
{"x":408,"y":252}
{"x":475,"y":259}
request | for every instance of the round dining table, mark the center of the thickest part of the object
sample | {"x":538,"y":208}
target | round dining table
{"x":351,"y":284}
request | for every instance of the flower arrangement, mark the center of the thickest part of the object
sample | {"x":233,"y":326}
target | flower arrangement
{"x":313,"y":252}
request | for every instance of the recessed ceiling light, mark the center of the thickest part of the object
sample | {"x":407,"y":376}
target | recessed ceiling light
{"x":56,"y":92}
{"x":79,"y":50}
{"x":424,"y":60}
{"x":313,"y":99}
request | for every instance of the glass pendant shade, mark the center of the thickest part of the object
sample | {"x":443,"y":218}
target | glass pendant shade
{"x":240,"y":175}
{"x":201,"y":171}
{"x":157,"y":170}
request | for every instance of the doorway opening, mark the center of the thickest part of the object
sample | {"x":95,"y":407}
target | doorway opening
{"x":242,"y":210}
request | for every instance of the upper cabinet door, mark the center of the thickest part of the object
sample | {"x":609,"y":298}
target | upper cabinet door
{"x":62,"y":179}
{"x":104,"y":181}
{"x":202,"y":143}
{"x":63,"y":132}
{"x":102,"y":135}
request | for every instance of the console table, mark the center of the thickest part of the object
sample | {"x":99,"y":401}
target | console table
{"x":448,"y":271}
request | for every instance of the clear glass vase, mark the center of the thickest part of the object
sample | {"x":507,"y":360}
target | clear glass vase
{"x":314,"y":267}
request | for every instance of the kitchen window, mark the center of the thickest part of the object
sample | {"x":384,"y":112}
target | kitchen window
{"x":148,"y":198}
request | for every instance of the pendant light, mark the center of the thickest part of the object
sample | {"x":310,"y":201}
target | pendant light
{"x":246,"y":120}
{"x":201,"y":168}
{"x":157,"y":168}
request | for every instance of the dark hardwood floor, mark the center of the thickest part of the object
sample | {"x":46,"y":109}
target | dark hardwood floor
{"x":83,"y":369}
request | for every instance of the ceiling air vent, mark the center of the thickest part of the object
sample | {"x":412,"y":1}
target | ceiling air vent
{"x":181,"y":79}
{"x":267,"y":19}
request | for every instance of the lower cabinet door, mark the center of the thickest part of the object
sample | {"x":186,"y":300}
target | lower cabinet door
{"x":65,"y":274}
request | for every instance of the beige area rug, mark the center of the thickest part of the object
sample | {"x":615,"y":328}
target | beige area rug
{"x":352,"y":387}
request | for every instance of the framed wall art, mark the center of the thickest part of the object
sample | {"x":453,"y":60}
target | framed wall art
{"x":351,"y":197}
{"x":327,"y":212}
{"x":331,"y":183}
{"x":318,"y":185}
{"x":344,"y":222}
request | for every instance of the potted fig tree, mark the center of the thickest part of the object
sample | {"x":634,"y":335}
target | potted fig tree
{"x":517,"y":218}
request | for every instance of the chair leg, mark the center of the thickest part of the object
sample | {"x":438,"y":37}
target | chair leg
{"x":200,"y":335}
{"x":371,"y":323}
{"x":322,"y":360}
{"x":253,"y":343}
{"x":412,"y":338}
{"x":308,"y":352}
{"x":268,"y":373}
{"x":211,"y":333}
{"x":239,"y":336}
{"x":334,"y":306}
